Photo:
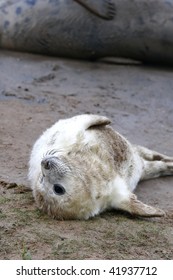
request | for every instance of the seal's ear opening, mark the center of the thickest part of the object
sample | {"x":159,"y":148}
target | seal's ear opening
{"x":95,"y":120}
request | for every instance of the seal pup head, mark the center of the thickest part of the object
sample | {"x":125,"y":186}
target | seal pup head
{"x":70,"y":186}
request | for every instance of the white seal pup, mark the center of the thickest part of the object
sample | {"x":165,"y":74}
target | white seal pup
{"x":81,"y":167}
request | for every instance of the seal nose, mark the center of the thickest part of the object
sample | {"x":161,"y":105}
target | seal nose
{"x":46,"y":164}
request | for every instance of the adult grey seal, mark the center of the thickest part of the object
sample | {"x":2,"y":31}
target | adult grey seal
{"x":81,"y":167}
{"x":138,"y":29}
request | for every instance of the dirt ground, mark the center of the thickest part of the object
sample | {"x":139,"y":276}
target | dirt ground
{"x":36,"y":91}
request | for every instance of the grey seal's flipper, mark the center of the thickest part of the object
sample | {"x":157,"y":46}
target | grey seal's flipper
{"x":103,"y":8}
{"x":138,"y":208}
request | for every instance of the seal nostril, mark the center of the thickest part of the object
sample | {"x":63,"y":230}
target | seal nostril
{"x":46,"y":164}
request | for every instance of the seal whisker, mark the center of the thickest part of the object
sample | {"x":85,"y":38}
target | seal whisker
{"x":52,"y":152}
{"x":44,"y":155}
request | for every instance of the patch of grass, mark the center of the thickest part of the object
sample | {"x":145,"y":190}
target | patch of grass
{"x":2,"y":215}
{"x":26,"y":255}
{"x":4,"y":199}
{"x":71,"y":248}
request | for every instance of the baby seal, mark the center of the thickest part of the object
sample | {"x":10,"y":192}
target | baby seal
{"x":81,"y":167}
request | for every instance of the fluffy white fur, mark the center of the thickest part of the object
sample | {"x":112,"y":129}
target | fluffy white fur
{"x":80,"y":167}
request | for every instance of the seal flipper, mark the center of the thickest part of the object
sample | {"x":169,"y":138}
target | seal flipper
{"x":89,"y":121}
{"x":103,"y":8}
{"x":138,"y":208}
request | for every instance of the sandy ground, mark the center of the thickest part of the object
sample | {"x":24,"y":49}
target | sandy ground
{"x":36,"y":91}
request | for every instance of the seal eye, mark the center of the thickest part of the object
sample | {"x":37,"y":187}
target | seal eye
{"x":58,"y":189}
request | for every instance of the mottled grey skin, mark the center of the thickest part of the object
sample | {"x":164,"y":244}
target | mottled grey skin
{"x":140,"y":29}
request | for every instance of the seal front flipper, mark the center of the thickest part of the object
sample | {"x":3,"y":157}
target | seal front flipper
{"x":103,"y":8}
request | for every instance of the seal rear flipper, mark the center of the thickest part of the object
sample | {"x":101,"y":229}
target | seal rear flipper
{"x":104,"y":9}
{"x":138,"y":208}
